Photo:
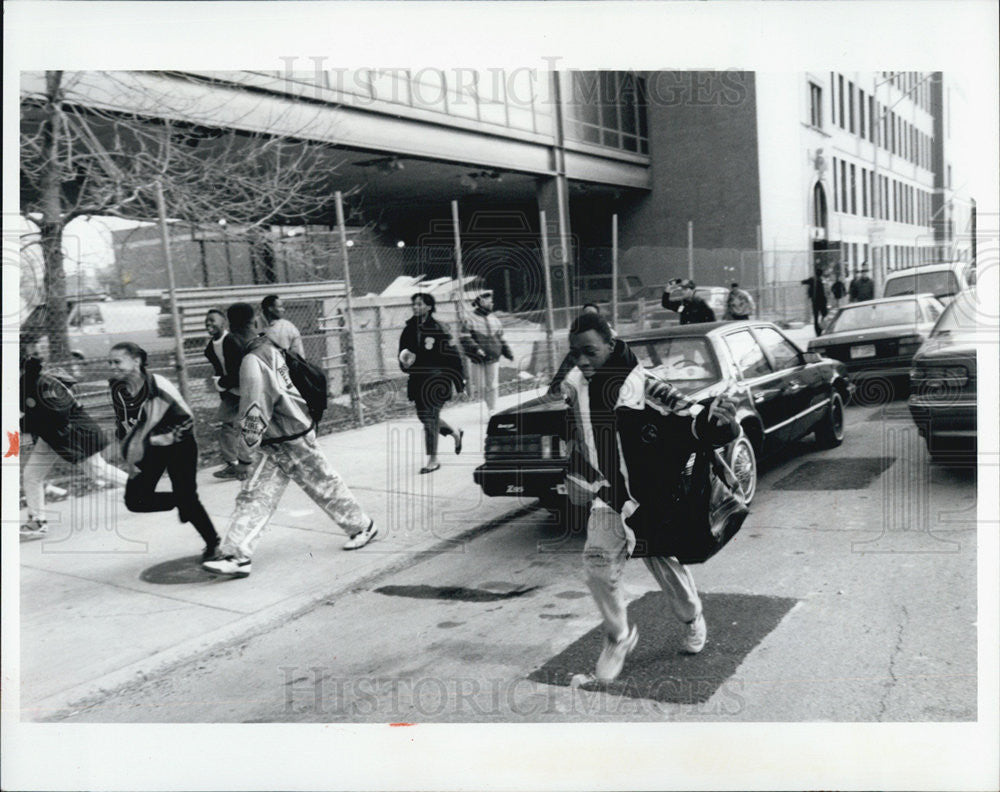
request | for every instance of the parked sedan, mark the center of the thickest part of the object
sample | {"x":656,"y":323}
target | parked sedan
{"x":783,"y":394}
{"x":877,"y":339}
{"x":943,"y":381}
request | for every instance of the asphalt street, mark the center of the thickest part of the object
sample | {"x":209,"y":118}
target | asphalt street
{"x":849,"y":595}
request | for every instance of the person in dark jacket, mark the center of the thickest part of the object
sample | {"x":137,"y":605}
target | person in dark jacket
{"x":816,"y":294}
{"x":689,"y":305}
{"x":609,"y":385}
{"x":223,"y":345}
{"x":555,"y":387}
{"x":427,"y":354}
{"x":155,"y":429}
{"x":862,"y":287}
{"x":62,"y":429}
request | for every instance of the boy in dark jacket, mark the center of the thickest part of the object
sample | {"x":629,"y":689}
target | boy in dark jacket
{"x":224,"y":347}
{"x":607,"y":390}
{"x":689,"y":305}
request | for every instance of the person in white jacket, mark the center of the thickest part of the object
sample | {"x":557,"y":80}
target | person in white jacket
{"x":483,"y":343}
{"x":274,"y":419}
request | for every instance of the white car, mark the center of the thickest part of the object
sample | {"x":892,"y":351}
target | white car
{"x":943,"y":280}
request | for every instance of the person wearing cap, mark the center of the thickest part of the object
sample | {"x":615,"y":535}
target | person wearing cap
{"x":691,"y":307}
{"x":862,"y":287}
{"x":483,"y":343}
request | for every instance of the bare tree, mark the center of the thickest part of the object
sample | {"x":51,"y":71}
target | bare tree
{"x":102,"y":147}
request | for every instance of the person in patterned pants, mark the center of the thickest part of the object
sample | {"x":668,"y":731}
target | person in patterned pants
{"x":275,"y":420}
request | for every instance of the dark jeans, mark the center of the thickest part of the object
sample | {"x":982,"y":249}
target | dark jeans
{"x":180,"y":461}
{"x":430,"y":417}
{"x":819,"y":314}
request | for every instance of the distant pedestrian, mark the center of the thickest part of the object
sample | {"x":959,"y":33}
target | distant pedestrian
{"x":862,"y":287}
{"x":62,"y":429}
{"x":837,"y":290}
{"x":739,"y":303}
{"x":223,"y":346}
{"x":275,"y":423}
{"x":285,"y":334}
{"x":427,"y":354}
{"x":483,"y":343}
{"x":816,"y":294}
{"x":156,"y":429}
{"x":681,"y":297}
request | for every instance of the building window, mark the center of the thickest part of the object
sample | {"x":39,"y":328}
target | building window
{"x":608,"y":108}
{"x":840,"y":92}
{"x":819,"y":206}
{"x":854,"y":199}
{"x":815,"y":105}
{"x":843,"y":187}
{"x":850,"y":107}
{"x":833,"y":99}
{"x":864,"y":192}
{"x":861,"y":113}
{"x":836,"y":195}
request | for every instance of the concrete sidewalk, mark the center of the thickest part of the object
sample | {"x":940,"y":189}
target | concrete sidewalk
{"x":109,"y":597}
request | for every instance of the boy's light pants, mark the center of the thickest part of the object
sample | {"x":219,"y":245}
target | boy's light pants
{"x":485,"y":378}
{"x":604,"y":557}
{"x":38,"y":465}
{"x":300,"y":461}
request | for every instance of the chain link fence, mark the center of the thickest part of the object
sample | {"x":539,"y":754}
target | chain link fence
{"x":358,"y":345}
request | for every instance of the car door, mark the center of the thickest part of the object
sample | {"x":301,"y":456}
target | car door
{"x":764,"y":384}
{"x":803,"y":387}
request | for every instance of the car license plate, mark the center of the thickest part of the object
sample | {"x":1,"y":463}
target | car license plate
{"x":863,"y":351}
{"x":561,"y":489}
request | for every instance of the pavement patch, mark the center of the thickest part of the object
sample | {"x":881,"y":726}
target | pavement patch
{"x":891,"y":412}
{"x":656,"y":669}
{"x":844,"y":473}
{"x":176,"y":571}
{"x":459,"y":593}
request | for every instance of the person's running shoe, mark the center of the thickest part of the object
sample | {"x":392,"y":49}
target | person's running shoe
{"x":697,"y":634}
{"x":361,"y":538}
{"x":228,"y":472}
{"x":609,"y":664}
{"x":228,"y":565}
{"x":211,"y":551}
{"x":34,"y":528}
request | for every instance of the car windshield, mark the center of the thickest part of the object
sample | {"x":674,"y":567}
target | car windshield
{"x":865,"y":316}
{"x":960,"y":315}
{"x":686,"y":362}
{"x":940,"y":284}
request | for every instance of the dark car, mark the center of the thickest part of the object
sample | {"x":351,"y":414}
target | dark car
{"x":782,"y":393}
{"x":876,"y":339}
{"x":943,"y":381}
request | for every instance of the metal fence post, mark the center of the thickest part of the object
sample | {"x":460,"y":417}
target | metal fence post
{"x":352,"y":360}
{"x":549,"y":317}
{"x":614,"y":270}
{"x":180,"y":363}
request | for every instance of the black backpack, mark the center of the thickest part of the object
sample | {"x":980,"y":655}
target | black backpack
{"x":310,"y":381}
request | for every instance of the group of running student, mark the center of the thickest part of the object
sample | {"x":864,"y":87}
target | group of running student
{"x":270,"y":435}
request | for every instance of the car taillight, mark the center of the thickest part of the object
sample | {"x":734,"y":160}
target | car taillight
{"x":553,"y":446}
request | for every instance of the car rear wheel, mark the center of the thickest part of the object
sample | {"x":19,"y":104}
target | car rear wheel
{"x":830,"y":431}
{"x":743,"y":462}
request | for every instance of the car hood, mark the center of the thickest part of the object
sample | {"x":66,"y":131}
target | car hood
{"x":870,"y":334}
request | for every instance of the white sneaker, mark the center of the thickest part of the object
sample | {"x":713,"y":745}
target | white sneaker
{"x":228,"y":565}
{"x":361,"y":538}
{"x":34,"y":528}
{"x":697,"y":634}
{"x":609,"y":664}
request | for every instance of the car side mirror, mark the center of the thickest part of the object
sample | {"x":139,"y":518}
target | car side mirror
{"x":812,"y":357}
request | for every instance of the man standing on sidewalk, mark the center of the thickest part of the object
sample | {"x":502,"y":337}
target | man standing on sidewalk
{"x":483,"y":343}
{"x":608,"y":378}
{"x":274,"y":419}
{"x":282,"y":332}
{"x":223,"y":346}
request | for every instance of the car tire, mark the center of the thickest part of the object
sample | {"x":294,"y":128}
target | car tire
{"x":830,"y":431}
{"x":743,"y":462}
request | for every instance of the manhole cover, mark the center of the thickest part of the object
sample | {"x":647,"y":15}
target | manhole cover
{"x":835,"y":474}
{"x":656,"y":669}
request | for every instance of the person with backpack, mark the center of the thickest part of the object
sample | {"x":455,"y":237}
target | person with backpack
{"x":62,"y":429}
{"x":279,"y":421}
{"x":155,"y":427}
{"x":613,"y":472}
{"x":427,"y":354}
